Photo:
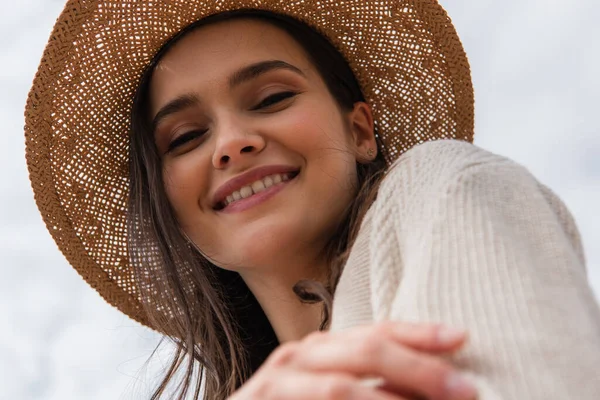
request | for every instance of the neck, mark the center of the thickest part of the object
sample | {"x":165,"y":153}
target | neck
{"x":290,"y":318}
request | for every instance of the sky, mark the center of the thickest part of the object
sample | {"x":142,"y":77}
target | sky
{"x":537,"y":92}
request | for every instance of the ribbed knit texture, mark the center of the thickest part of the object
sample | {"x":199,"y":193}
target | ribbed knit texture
{"x":470,"y":239}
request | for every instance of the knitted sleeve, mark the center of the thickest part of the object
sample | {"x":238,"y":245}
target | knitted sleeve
{"x":472,"y":240}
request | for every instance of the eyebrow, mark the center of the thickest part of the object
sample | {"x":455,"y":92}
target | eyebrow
{"x":245,"y":74}
{"x":253,"y":71}
{"x":174,"y":106}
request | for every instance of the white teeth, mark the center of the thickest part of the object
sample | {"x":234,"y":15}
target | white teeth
{"x":256,"y":187}
{"x":268,"y":181}
{"x":246,"y":192}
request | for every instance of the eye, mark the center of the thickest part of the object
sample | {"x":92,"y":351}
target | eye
{"x":185,"y":138}
{"x":273,"y":99}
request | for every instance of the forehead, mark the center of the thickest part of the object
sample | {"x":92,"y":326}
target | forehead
{"x":217,"y":49}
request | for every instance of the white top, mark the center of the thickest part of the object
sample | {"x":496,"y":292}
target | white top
{"x":464,"y":237}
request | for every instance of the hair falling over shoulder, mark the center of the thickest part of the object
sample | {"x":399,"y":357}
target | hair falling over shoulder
{"x":200,"y":317}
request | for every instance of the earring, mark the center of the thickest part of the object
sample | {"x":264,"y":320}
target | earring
{"x":370,"y":152}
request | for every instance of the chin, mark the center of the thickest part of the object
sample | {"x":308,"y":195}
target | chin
{"x":267,"y":247}
{"x":264,"y":247}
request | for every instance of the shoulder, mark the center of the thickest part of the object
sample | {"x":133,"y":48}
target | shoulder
{"x":439,"y":166}
{"x":444,"y":159}
{"x":446,"y":151}
{"x":436,"y":180}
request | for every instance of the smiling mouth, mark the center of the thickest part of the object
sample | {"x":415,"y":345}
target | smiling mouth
{"x":256,"y":187}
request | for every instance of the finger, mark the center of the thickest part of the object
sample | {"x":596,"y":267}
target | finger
{"x":434,"y":338}
{"x":403,"y":369}
{"x":431,"y":338}
{"x":380,"y":384}
{"x":358,"y":389}
{"x":300,"y":385}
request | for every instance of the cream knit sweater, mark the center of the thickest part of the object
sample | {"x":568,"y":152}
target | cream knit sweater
{"x":470,"y":239}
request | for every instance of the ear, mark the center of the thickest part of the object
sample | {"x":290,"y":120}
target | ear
{"x":363,"y":132}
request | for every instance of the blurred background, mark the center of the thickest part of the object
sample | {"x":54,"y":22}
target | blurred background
{"x":537,"y":102}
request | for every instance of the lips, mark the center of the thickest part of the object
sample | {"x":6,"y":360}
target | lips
{"x":246,"y":179}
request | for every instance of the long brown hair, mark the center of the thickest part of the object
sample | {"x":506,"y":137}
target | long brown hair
{"x":209,"y":313}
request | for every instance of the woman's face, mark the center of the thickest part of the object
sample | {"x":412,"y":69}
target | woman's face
{"x":259,"y":162}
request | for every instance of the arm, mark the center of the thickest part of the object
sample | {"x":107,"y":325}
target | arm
{"x":493,"y":251}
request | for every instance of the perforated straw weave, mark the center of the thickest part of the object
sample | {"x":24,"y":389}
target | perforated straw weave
{"x":405,"y":53}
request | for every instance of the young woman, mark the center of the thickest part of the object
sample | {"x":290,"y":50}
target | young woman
{"x":259,"y":182}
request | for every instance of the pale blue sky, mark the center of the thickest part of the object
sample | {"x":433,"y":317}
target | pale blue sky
{"x":537,"y":93}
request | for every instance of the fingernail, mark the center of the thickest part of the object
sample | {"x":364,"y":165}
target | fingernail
{"x":459,"y":387}
{"x":449,"y":335}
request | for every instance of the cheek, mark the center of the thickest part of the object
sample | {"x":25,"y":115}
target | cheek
{"x":319,"y":134}
{"x":184,"y":184}
{"x":327,"y":142}
{"x":317,"y":131}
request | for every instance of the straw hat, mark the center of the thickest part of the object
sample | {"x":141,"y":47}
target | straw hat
{"x":405,"y":54}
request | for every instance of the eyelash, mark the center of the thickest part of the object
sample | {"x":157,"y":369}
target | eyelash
{"x":183,"y":139}
{"x":273,"y":99}
{"x":265,"y":103}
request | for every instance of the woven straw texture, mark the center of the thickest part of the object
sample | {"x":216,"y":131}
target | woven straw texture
{"x":405,"y":53}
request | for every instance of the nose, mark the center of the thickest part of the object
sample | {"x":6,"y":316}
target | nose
{"x":234,"y":144}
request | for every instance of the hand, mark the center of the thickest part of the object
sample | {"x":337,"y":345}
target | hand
{"x":334,"y":365}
